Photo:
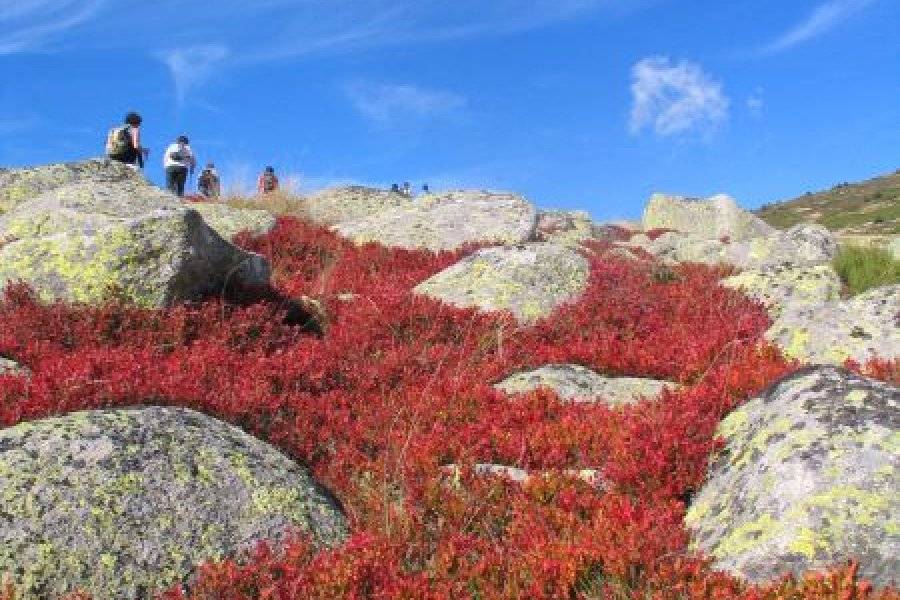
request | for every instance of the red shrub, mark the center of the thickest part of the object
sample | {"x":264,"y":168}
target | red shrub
{"x":400,"y":385}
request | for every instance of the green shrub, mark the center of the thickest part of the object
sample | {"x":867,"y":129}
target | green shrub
{"x":863,"y":268}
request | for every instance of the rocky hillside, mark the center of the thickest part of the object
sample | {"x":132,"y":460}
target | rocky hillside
{"x":869,"y":207}
{"x":499,"y":402}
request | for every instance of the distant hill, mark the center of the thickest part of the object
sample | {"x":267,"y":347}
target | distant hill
{"x":870,"y":207}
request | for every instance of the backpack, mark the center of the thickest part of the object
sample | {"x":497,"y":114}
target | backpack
{"x":118,"y":141}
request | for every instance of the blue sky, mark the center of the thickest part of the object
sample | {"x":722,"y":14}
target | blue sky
{"x":587,"y":104}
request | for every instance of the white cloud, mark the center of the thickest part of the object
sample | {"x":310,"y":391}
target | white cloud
{"x":30,"y":24}
{"x":389,"y":104}
{"x":675,"y":98}
{"x":191,"y":67}
{"x":824,"y":18}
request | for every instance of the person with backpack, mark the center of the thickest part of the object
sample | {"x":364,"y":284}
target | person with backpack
{"x":267,"y":182}
{"x":123,"y":143}
{"x":178,"y":161}
{"x":208,"y":182}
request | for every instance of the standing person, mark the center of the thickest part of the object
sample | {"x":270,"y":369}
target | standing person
{"x":267,"y":182}
{"x":426,"y":189}
{"x":208,"y":183}
{"x":123,"y":144}
{"x":395,"y":188}
{"x":178,"y":161}
{"x":407,"y":189}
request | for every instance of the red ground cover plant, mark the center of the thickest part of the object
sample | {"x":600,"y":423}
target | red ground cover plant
{"x":400,"y":385}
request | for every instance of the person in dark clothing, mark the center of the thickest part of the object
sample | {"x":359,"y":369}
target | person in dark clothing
{"x":208,"y":183}
{"x":395,"y":188}
{"x":123,"y":144}
{"x":267,"y":182}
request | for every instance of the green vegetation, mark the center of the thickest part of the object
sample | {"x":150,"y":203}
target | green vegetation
{"x":862,"y":268}
{"x":869,"y":207}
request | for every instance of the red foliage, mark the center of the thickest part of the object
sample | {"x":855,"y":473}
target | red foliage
{"x":400,"y":385}
{"x":658,"y":232}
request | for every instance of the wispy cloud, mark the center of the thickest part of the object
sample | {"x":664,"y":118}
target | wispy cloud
{"x":191,"y":67}
{"x":675,"y":99}
{"x":823,"y":19}
{"x":387,"y":104}
{"x":30,"y":24}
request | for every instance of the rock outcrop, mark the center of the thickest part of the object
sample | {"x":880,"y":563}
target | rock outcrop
{"x":808,"y":478}
{"x":580,"y":384}
{"x":11,"y":367}
{"x":787,"y":287}
{"x":123,"y":503}
{"x":351,"y":203}
{"x":802,"y":245}
{"x":529,"y":280}
{"x":447,"y":221}
{"x":564,"y":226}
{"x":830,"y":333}
{"x":716,"y":217}
{"x":19,"y":185}
{"x":107,"y":232}
{"x":228,"y":221}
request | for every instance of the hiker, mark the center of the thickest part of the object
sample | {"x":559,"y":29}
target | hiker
{"x":178,"y":161}
{"x":425,"y":189}
{"x":395,"y":188}
{"x":268,"y":182}
{"x":407,"y":189}
{"x":208,"y":183}
{"x":123,"y":144}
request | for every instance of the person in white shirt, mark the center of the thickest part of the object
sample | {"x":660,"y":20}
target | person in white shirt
{"x":178,"y":161}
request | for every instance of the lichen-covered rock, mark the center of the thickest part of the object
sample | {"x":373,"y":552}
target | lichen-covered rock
{"x":830,"y":333}
{"x":580,"y":384}
{"x":564,"y":227}
{"x":19,"y":185}
{"x":802,"y":245}
{"x":787,"y":287}
{"x":447,"y":221}
{"x":228,"y":221}
{"x":87,"y":240}
{"x":122,"y":503}
{"x":808,"y":478}
{"x":712,"y":218}
{"x":528,"y":280}
{"x":351,"y":203}
{"x":11,"y":367}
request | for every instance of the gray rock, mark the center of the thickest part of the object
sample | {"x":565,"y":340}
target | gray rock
{"x":530,"y":280}
{"x":564,"y":227}
{"x":802,"y":245}
{"x":859,"y":328}
{"x":808,"y":478}
{"x":351,"y":203}
{"x":122,"y":503}
{"x":11,"y":367}
{"x":19,"y":185}
{"x":86,"y":240}
{"x":580,"y":384}
{"x":787,"y":287}
{"x":712,"y":218}
{"x":228,"y":221}
{"x":447,"y":221}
